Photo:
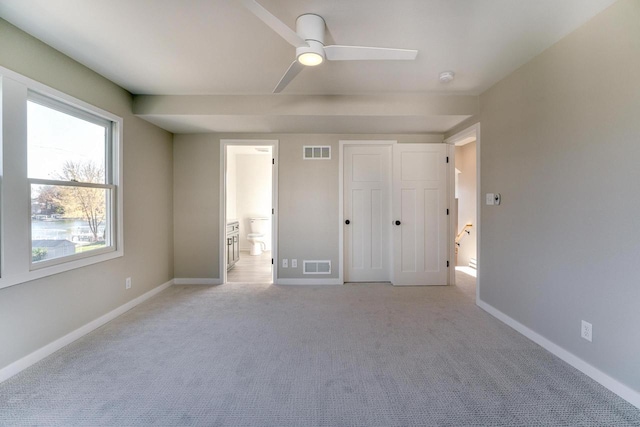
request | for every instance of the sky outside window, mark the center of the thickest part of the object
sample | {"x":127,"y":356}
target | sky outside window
{"x":55,"y":138}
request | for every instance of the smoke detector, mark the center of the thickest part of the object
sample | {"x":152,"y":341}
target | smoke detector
{"x":446,"y":76}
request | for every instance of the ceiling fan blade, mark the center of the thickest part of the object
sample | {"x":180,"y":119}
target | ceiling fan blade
{"x":291,"y":73}
{"x":274,"y":23}
{"x":363,"y":53}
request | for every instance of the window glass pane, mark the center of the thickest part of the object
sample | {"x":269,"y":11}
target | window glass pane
{"x":64,"y":147}
{"x":67,"y":220}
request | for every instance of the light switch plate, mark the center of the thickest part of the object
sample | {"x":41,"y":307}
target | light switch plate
{"x":285,"y":263}
{"x":294,"y":263}
{"x":490,"y":199}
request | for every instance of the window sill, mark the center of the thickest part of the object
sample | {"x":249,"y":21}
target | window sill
{"x":46,"y":271}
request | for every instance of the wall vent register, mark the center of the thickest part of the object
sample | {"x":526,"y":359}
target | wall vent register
{"x":316,"y":267}
{"x":316,"y":152}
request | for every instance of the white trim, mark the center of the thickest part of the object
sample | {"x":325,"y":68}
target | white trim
{"x":222,"y":227}
{"x":50,"y":270}
{"x":341,"y":145}
{"x":625,"y":392}
{"x":273,"y":143}
{"x":30,"y":359}
{"x":479,"y":200}
{"x":465,"y":136}
{"x":13,"y":273}
{"x":187,"y":281}
{"x":50,"y":92}
{"x":460,"y":137}
{"x":453,"y":213}
{"x":310,"y":282}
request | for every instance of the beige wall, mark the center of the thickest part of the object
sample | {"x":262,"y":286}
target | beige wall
{"x":232,"y":187}
{"x":307,"y":197}
{"x":560,"y":142}
{"x":38,"y":312}
{"x":196,"y":206}
{"x":467,"y":190}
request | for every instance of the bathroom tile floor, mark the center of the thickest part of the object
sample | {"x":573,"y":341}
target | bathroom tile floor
{"x":251,"y":268}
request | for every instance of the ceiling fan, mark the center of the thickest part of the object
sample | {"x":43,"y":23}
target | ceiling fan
{"x":308,"y":40}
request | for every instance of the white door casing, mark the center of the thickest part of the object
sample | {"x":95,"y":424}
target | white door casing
{"x":367,"y":207}
{"x":420,"y":247}
{"x":222,"y":258}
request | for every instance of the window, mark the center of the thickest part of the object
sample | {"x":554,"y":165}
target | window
{"x":61,"y":181}
{"x":70,"y":179}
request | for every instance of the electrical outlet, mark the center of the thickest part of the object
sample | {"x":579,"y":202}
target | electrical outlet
{"x":294,"y":263}
{"x":285,"y":263}
{"x":586,"y":331}
{"x":127,"y":283}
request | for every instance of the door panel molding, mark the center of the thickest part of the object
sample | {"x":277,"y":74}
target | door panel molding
{"x":420,"y":244}
{"x":367,"y":205}
{"x":341,"y":217}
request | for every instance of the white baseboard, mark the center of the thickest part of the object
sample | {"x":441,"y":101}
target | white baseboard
{"x":309,"y":282}
{"x":22,"y":364}
{"x":627,"y":393}
{"x":188,"y":281}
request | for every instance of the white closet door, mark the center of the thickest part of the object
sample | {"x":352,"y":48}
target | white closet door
{"x":367,"y":208}
{"x":420,"y":206}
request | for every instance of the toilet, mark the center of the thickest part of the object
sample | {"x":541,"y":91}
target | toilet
{"x":256,"y":235}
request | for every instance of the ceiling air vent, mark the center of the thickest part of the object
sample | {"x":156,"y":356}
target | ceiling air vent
{"x":316,"y":267}
{"x":316,"y":152}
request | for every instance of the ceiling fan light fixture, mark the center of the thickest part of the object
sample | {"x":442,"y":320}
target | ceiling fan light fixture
{"x":312,"y":54}
{"x":310,"y":59}
{"x":308,"y":39}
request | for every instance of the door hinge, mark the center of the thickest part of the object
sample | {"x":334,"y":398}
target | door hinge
{"x":271,"y":261}
{"x":447,"y":263}
{"x":447,"y":211}
{"x":273,"y":161}
{"x":447,"y":159}
{"x":273,"y":211}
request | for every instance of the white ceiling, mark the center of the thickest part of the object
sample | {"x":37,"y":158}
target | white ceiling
{"x":217,"y":47}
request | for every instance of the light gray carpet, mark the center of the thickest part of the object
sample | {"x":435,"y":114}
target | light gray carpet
{"x":465,"y":282}
{"x":354,"y":355}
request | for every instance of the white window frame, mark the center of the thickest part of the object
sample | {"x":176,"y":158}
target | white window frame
{"x":16,"y":264}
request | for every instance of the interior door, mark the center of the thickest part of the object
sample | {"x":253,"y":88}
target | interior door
{"x":420,"y":214}
{"x":367,"y":213}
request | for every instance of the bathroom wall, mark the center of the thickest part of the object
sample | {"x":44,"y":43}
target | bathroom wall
{"x":253,"y":193}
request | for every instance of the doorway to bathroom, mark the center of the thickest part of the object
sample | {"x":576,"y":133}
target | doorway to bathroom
{"x":248,"y":211}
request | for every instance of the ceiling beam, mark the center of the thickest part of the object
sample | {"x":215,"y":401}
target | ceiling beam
{"x":306,"y":105}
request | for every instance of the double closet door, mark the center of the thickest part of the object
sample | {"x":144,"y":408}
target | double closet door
{"x":395,"y":210}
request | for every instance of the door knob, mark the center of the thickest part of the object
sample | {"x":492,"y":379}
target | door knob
{"x":398,"y":223}
{"x":347,"y":222}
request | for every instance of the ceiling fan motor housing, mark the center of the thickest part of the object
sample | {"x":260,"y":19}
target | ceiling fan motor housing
{"x":311,"y":28}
